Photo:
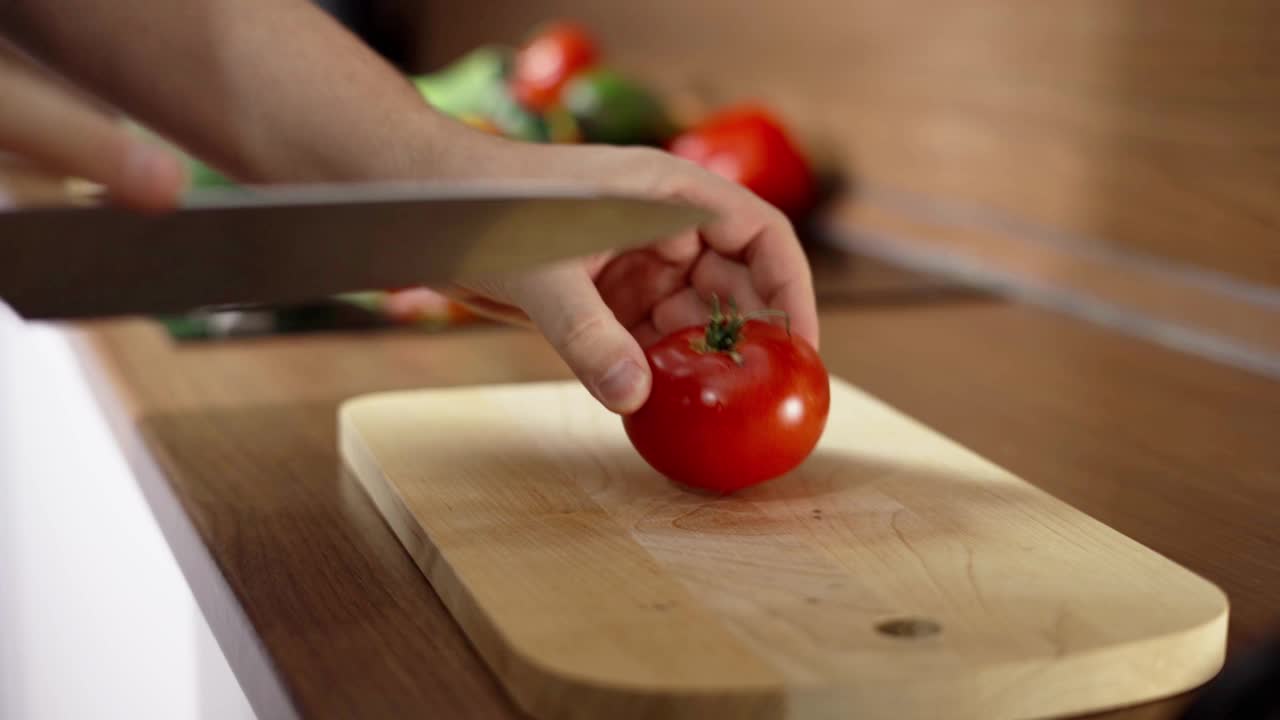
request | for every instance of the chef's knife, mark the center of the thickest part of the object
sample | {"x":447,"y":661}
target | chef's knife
{"x":288,"y":244}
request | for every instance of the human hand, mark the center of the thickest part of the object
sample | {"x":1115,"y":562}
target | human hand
{"x":600,"y":312}
{"x":46,"y":121}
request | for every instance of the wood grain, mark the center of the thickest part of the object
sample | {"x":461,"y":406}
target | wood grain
{"x":1175,"y":452}
{"x":1151,"y":125}
{"x":595,"y":588}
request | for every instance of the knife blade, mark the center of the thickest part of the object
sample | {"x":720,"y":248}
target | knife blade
{"x":287,"y":244}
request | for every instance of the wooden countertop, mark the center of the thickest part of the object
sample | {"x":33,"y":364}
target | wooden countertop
{"x":323,"y":614}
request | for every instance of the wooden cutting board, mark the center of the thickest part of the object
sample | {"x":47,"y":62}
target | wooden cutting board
{"x":893,"y":575}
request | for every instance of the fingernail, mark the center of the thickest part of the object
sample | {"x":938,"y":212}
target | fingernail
{"x":620,"y":384}
{"x":150,"y":170}
{"x":140,"y":164}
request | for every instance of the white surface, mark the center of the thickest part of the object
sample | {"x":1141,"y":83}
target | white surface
{"x":96,"y":620}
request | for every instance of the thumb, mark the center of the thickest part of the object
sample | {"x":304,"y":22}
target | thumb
{"x":566,"y":307}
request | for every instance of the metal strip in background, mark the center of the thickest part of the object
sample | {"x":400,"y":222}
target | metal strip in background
{"x":935,"y":258}
{"x":977,"y":216}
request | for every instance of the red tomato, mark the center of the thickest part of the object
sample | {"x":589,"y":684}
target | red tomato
{"x":749,"y":146}
{"x":548,"y":61}
{"x":733,"y":404}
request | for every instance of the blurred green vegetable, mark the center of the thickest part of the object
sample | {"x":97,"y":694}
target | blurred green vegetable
{"x":466,"y":86}
{"x":513,"y":120}
{"x":476,"y":85}
{"x":185,"y":327}
{"x":562,"y":127}
{"x":612,"y":109}
{"x":203,"y":176}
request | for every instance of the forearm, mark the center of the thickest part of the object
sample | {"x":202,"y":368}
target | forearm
{"x":266,"y":91}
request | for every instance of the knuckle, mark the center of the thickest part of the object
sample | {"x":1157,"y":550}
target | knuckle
{"x":580,"y":331}
{"x":780,"y":219}
{"x":655,"y":172}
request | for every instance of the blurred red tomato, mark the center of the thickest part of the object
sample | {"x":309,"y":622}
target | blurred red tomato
{"x":415,"y":305}
{"x":548,"y":61}
{"x":748,"y":145}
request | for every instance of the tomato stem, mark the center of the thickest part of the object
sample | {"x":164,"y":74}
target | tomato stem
{"x":724,"y":331}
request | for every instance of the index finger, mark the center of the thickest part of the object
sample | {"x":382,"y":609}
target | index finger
{"x":48,"y":123}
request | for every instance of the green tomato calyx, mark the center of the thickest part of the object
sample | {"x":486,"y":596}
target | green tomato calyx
{"x":724,"y":330}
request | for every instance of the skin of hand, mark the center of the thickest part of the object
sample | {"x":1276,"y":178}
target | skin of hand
{"x":288,"y":95}
{"x":600,"y":312}
{"x":50,"y":123}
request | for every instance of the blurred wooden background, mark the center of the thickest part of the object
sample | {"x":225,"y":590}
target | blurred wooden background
{"x":1150,"y":125}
